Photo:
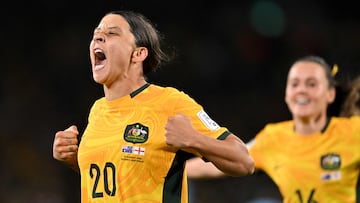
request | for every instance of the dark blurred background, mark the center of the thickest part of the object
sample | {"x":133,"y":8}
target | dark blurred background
{"x":231,"y":57}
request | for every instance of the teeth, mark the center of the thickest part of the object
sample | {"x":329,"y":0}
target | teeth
{"x":99,"y":54}
{"x":302,"y":100}
{"x":98,"y":51}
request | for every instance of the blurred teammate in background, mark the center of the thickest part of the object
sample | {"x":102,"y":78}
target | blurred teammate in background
{"x":313,"y":157}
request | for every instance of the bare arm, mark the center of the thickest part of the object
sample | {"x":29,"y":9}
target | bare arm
{"x":65,"y":147}
{"x":229,"y":155}
{"x":197,"y":168}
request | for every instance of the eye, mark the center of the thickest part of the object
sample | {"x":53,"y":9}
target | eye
{"x":311,"y":84}
{"x":293,"y":84}
{"x":111,"y":33}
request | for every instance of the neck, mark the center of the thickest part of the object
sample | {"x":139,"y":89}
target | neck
{"x":123,"y":88}
{"x":306,"y":126}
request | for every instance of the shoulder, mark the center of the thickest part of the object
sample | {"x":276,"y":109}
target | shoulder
{"x":99,"y":102}
{"x":275,"y":130}
{"x":346,"y":120}
{"x":355,"y":119}
{"x":272,"y":135}
{"x":279,"y":126}
{"x":170,"y":92}
{"x":97,"y":106}
{"x":346,"y":123}
{"x":164,"y":89}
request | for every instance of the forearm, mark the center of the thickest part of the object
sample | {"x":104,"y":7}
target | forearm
{"x":74,"y":165}
{"x":230,"y":155}
{"x":196,"y":168}
{"x":70,"y":162}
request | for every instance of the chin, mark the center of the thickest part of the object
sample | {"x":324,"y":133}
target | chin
{"x":98,"y":79}
{"x":301,"y":114}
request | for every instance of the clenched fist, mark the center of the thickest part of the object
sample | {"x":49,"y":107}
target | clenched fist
{"x":179,"y":132}
{"x":65,"y":147}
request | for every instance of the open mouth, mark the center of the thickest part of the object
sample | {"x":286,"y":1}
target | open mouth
{"x":99,"y":55}
{"x":100,"y":59}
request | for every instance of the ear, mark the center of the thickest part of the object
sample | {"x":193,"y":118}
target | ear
{"x":139,"y":54}
{"x":331,"y":95}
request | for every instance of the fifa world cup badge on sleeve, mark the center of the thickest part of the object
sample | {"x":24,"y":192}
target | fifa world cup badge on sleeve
{"x":205,"y":118}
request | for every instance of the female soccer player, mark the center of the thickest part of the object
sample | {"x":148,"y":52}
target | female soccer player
{"x":313,"y":157}
{"x":130,"y":150}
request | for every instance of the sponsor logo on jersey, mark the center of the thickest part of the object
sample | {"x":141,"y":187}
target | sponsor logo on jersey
{"x":209,"y":123}
{"x":136,"y":133}
{"x":330,"y":161}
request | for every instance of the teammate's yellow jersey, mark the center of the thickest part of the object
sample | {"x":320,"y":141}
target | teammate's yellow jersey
{"x":318,"y":168}
{"x":123,"y":156}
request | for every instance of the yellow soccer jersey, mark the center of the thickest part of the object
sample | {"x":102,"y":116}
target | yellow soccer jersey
{"x":123,"y":156}
{"x":317,"y":168}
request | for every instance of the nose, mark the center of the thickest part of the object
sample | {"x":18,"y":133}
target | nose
{"x":302,"y":88}
{"x":99,"y":38}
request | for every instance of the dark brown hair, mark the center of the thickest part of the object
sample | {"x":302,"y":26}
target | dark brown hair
{"x":351,"y":105}
{"x":322,"y":63}
{"x":146,"y":35}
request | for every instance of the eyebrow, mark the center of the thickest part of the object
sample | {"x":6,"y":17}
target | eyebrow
{"x":108,"y":28}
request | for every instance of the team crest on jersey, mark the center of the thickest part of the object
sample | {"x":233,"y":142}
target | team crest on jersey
{"x":330,"y":161}
{"x":136,"y":133}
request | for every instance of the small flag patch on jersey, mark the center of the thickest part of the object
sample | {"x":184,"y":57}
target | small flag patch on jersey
{"x":331,"y":176}
{"x":205,"y":118}
{"x":133,"y":150}
{"x":139,"y":151}
{"x":127,"y":149}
